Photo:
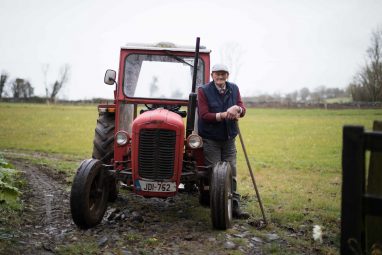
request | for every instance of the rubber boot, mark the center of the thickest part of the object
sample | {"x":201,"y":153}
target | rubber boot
{"x":237,"y":213}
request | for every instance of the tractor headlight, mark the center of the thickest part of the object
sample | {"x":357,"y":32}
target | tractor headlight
{"x":121,"y":138}
{"x":194,"y":141}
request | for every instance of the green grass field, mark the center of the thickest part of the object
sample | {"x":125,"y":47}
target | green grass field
{"x":48,"y":128}
{"x":295,"y":154}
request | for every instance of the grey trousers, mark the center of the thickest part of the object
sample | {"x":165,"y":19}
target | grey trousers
{"x":215,"y":151}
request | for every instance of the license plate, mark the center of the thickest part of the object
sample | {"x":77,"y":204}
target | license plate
{"x":156,"y":186}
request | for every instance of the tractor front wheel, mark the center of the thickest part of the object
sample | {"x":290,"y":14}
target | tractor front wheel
{"x":221,"y":196}
{"x":89,"y":194}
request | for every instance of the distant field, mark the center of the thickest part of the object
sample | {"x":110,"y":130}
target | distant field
{"x":48,"y":128}
{"x":296,"y":154}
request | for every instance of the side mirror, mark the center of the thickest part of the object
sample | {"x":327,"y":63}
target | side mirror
{"x":110,"y":76}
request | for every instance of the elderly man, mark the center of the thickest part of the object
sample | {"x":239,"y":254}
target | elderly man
{"x":219,"y":106}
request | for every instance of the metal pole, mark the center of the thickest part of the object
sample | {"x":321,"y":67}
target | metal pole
{"x":191,"y":108}
{"x":251,"y":173}
{"x":196,"y":60}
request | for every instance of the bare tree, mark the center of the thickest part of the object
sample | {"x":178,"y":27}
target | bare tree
{"x":357,"y":92}
{"x":16,"y":87}
{"x":59,"y":84}
{"x":231,"y":55}
{"x":3,"y":80}
{"x":367,"y":84}
{"x":374,"y":69}
{"x":304,"y":93}
{"x":21,"y":88}
{"x":45,"y":69}
{"x":27,"y":90}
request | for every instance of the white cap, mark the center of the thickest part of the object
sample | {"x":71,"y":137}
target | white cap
{"x":220,"y":67}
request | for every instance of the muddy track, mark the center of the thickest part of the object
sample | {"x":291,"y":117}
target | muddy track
{"x":46,"y":215}
{"x":132,"y":225}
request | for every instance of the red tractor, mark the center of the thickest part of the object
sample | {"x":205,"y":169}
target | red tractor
{"x":147,"y":141}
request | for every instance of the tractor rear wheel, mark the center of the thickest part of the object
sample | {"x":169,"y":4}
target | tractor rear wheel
{"x":103,"y":143}
{"x":89,"y":194}
{"x":221,"y":196}
{"x":103,"y":147}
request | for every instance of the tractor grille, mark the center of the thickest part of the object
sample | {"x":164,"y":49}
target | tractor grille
{"x":156,"y":153}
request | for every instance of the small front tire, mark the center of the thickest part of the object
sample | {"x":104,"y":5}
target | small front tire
{"x":89,"y":194}
{"x":221,"y":196}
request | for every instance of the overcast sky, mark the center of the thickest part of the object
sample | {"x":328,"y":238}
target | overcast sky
{"x":286,"y":44}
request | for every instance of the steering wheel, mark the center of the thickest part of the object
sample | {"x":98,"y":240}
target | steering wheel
{"x":168,"y":107}
{"x":150,"y":107}
{"x":173,"y":108}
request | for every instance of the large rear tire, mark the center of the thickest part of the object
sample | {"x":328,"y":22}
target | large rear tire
{"x":89,"y":194}
{"x":103,"y":144}
{"x":221,"y":196}
{"x":103,"y":147}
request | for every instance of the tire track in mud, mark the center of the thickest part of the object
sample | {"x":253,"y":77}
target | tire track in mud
{"x":46,"y":216}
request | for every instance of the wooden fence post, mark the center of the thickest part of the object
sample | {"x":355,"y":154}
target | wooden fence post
{"x":374,"y":187}
{"x":353,"y":187}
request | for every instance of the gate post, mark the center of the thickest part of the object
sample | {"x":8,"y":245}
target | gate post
{"x":353,"y":186}
{"x":374,"y":187}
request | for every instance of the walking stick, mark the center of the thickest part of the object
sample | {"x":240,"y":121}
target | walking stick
{"x":252,"y":176}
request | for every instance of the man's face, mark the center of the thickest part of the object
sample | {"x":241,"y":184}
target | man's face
{"x":219,"y":77}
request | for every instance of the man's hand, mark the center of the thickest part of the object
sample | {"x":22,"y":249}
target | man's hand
{"x":233,"y":113}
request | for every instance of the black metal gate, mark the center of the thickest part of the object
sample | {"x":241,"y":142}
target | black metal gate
{"x":361,"y":199}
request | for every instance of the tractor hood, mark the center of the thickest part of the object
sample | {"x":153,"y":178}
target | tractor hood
{"x":157,"y":152}
{"x":159,"y":118}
